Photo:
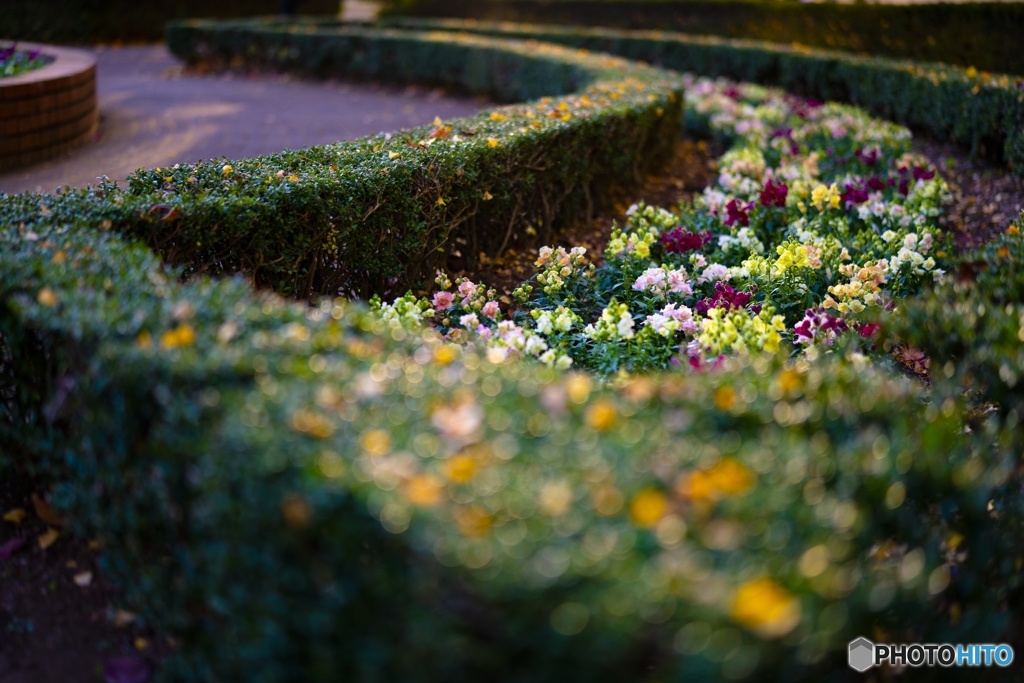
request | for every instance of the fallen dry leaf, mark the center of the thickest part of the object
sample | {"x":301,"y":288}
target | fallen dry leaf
{"x":82,"y":579}
{"x":123,"y":617}
{"x":15,"y":515}
{"x":45,"y":511}
{"x":49,"y":538}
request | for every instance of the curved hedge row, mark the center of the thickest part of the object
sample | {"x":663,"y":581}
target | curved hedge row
{"x":379,"y":214}
{"x":982,"y":110}
{"x":309,"y":493}
{"x":306,"y":494}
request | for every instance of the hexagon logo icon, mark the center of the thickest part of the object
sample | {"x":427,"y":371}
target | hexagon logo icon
{"x":862,"y":654}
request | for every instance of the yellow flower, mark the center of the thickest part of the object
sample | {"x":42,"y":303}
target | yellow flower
{"x":492,"y":142}
{"x":144,"y":340}
{"x":445,"y":354}
{"x":822,"y":195}
{"x":311,"y":423}
{"x":602,"y":415}
{"x":488,"y":196}
{"x":376,"y":441}
{"x":423,"y":490}
{"x":495,"y":116}
{"x":440,"y":201}
{"x":725,"y":398}
{"x":766,"y":608}
{"x":473,"y":522}
{"x":228,"y":168}
{"x":460,"y":468}
{"x":182,"y":335}
{"x":647,"y":507}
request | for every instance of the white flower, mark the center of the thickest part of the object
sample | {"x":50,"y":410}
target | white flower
{"x":888,"y":236}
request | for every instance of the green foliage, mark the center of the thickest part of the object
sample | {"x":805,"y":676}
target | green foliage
{"x":981,"y":110}
{"x":306,"y":494}
{"x":981,"y":34}
{"x":382,"y":213}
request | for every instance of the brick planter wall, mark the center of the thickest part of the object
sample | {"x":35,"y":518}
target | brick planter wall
{"x":47,"y":111}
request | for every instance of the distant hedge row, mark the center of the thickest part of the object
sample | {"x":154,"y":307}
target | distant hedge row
{"x":981,"y":110}
{"x":985,"y":35}
{"x":310,"y":494}
{"x":382,"y":213}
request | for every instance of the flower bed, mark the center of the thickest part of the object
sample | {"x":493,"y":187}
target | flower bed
{"x":322,"y":492}
{"x":14,"y":62}
{"x":982,"y":110}
{"x":820,"y":218}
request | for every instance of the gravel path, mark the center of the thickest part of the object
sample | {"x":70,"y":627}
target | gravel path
{"x":153,"y":115}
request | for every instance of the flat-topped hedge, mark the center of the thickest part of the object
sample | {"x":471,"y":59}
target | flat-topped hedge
{"x":980,"y":110}
{"x":379,"y":214}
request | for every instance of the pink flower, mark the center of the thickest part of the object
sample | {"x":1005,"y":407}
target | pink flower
{"x":443,"y":301}
{"x":491,"y":310}
{"x":467,"y":289}
{"x":677,"y":283}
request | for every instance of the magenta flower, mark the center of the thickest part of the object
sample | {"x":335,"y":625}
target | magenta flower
{"x":774,"y":194}
{"x":680,"y":241}
{"x":737,"y":213}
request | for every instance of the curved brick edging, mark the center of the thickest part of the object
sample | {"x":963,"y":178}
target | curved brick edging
{"x":47,"y":111}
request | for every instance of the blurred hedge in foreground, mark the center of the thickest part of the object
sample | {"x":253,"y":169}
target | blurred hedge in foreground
{"x":306,"y":494}
{"x":380,"y":214}
{"x":983,"y":111}
{"x":79,"y":22}
{"x":985,"y":35}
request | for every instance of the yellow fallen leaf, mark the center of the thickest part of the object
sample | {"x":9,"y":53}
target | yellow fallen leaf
{"x":488,"y":196}
{"x":45,"y":511}
{"x":440,"y":201}
{"x":393,"y":155}
{"x":49,"y":538}
{"x":15,"y":516}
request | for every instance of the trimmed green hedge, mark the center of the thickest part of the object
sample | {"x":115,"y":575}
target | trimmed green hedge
{"x":980,"y":110}
{"x":985,"y":35}
{"x":380,"y":214}
{"x":306,"y":494}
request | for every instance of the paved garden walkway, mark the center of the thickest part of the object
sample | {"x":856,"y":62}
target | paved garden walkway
{"x":151,"y":115}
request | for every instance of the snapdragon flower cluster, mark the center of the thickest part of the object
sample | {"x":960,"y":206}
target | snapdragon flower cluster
{"x":819,"y":214}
